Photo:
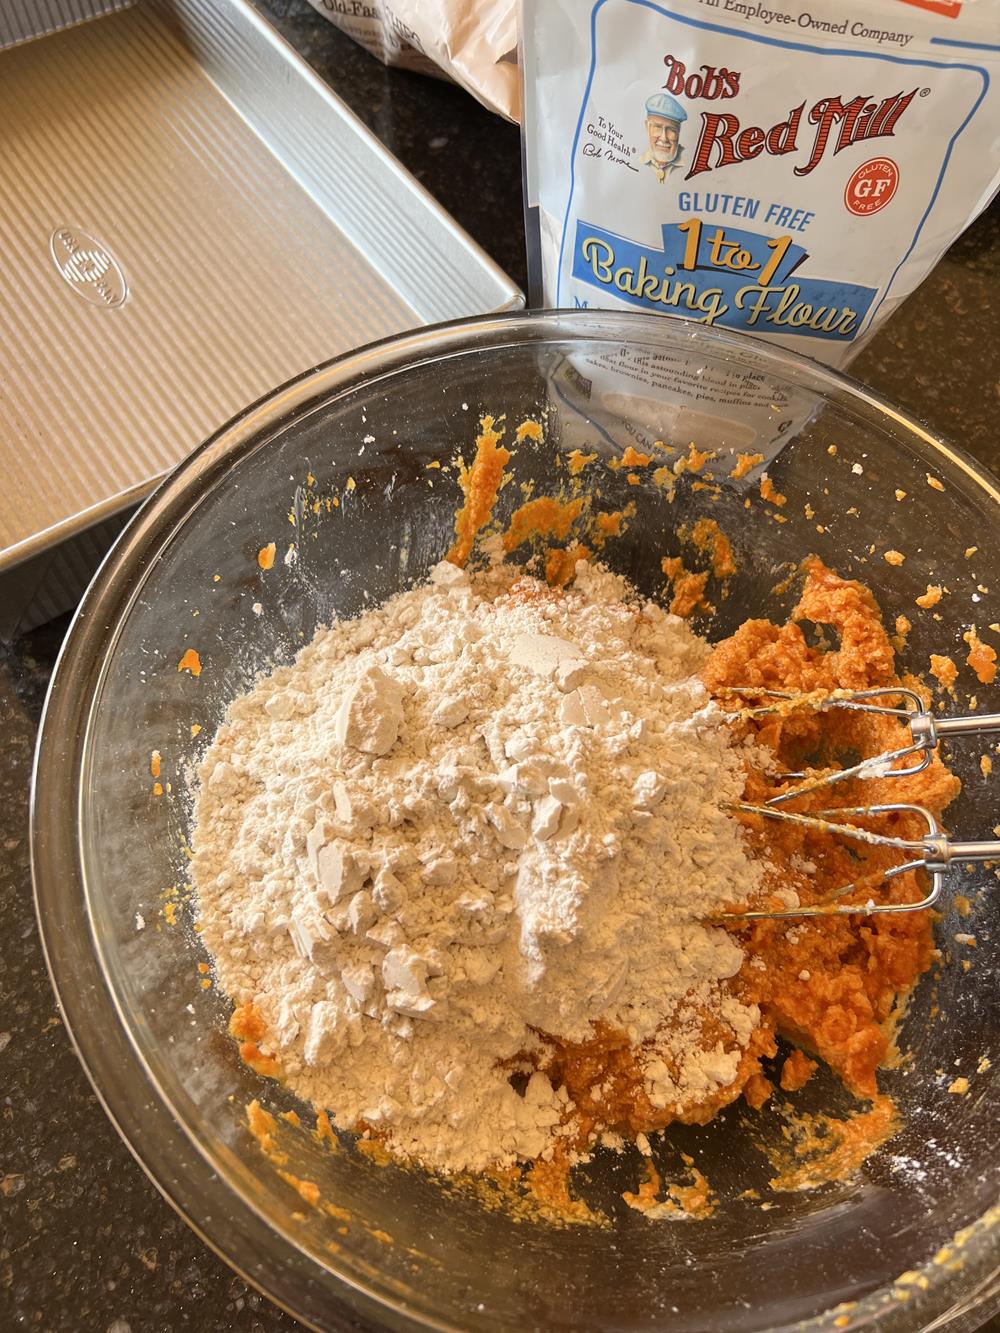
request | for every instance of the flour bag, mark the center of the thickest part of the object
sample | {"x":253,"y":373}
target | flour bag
{"x":789,"y":171}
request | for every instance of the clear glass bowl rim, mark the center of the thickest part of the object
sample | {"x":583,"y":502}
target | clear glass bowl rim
{"x":180,"y":1168}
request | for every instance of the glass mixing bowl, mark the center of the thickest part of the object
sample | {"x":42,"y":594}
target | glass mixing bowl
{"x":913,"y":1240}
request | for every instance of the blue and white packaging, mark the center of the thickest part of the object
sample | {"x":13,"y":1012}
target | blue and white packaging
{"x":791,"y":170}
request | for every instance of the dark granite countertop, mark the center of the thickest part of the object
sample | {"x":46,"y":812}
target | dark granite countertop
{"x":86,"y":1243}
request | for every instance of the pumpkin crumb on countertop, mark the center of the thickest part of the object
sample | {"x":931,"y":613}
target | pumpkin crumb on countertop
{"x":900,"y":495}
{"x":985,"y":765}
{"x":191,"y":661}
{"x":266,"y":554}
{"x":934,"y":483}
{"x":195,"y":729}
{"x":959,"y":1086}
{"x":529,"y":429}
{"x":894,"y":558}
{"x":154,"y":764}
{"x":931,"y":597}
{"x":745,"y":463}
{"x":981,"y":658}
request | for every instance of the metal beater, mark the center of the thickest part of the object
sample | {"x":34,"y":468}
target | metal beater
{"x":933,"y":853}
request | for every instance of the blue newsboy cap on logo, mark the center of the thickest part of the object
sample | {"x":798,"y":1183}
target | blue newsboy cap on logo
{"x":662,"y":104}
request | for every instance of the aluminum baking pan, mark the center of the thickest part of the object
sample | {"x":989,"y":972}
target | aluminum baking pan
{"x":189,"y":217}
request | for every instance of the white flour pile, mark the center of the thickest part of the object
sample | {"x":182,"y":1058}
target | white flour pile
{"x":480,"y":810}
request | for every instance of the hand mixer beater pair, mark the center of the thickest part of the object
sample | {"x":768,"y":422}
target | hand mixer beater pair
{"x":932,"y":853}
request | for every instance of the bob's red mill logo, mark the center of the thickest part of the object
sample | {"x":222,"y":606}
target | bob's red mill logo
{"x":830,"y":120}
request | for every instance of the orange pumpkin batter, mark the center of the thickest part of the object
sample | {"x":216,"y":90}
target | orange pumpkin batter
{"x":830,"y":986}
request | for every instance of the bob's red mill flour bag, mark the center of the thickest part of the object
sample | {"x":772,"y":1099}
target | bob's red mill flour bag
{"x":792,"y":170}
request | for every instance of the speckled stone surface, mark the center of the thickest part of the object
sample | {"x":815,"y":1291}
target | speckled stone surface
{"x":86,"y":1243}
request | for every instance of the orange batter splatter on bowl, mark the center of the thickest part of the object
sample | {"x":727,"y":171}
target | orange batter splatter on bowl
{"x":480,"y":484}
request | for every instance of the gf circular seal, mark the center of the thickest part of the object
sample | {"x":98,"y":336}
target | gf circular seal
{"x":872,"y":186}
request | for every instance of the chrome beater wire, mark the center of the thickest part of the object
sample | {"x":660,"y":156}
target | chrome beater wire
{"x":933,"y":853}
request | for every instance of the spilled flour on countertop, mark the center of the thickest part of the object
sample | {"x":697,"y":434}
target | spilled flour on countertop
{"x":484,"y":810}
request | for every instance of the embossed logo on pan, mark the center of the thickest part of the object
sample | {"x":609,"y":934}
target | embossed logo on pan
{"x":88,"y":267}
